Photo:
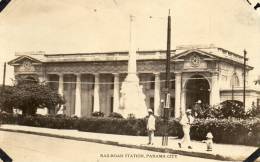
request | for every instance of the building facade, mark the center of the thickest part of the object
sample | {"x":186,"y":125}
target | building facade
{"x":92,"y":81}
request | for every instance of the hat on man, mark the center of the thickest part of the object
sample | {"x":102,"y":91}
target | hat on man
{"x":199,"y":101}
{"x":209,"y":135}
{"x":188,"y":111}
{"x":150,"y":111}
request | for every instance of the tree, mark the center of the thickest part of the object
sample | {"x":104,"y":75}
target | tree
{"x":3,"y":95}
{"x":28,"y":96}
{"x":226,"y":110}
{"x":233,"y":108}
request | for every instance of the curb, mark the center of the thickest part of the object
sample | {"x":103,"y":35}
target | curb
{"x":149,"y":148}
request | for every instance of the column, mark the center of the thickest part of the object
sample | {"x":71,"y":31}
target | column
{"x":215,"y":94}
{"x":78,"y":96}
{"x":157,"y":92}
{"x":183,"y":101}
{"x":60,"y":91}
{"x":96,"y":94}
{"x":177,"y":94}
{"x":116,"y":93}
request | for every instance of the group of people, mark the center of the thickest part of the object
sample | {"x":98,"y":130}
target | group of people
{"x":186,"y":121}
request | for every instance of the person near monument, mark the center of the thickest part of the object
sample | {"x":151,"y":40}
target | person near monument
{"x":197,"y":108}
{"x":61,"y":110}
{"x":150,"y":126}
{"x":186,"y":121}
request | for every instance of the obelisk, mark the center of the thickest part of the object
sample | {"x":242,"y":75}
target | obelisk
{"x":132,"y":99}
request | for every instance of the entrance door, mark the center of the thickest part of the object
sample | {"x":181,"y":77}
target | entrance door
{"x":197,"y":88}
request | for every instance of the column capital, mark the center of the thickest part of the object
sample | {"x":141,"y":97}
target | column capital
{"x":96,"y":74}
{"x":177,"y":73}
{"x":78,"y":74}
{"x":157,"y":73}
{"x":115,"y":74}
{"x":60,"y":74}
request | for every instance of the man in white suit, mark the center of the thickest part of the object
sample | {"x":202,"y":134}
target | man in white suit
{"x":150,"y":126}
{"x":186,"y":121}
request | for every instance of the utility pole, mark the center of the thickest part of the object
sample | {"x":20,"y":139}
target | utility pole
{"x":3,"y":86}
{"x":167,"y":84}
{"x":232,"y":93}
{"x":244,"y":87}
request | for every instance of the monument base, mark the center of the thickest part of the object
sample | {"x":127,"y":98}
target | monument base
{"x":132,"y":99}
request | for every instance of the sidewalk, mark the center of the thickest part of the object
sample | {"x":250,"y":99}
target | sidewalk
{"x":220,"y":151}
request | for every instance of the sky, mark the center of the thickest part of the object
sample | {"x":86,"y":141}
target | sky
{"x":69,"y":26}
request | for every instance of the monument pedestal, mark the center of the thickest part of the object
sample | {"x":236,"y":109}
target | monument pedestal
{"x":132,"y":99}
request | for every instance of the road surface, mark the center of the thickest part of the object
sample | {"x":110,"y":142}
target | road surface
{"x":34,"y":148}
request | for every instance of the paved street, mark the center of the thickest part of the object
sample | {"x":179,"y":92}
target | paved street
{"x":29,"y":148}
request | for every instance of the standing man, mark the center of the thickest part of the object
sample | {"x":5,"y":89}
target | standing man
{"x":186,"y":121}
{"x":61,"y":110}
{"x":197,"y":108}
{"x":150,"y":126}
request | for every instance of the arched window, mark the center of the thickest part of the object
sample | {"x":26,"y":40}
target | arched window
{"x":234,"y":81}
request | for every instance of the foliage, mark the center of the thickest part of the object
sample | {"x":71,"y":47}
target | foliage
{"x":229,"y":131}
{"x":113,"y":125}
{"x":173,"y":127}
{"x":50,"y":121}
{"x":97,"y":114}
{"x":30,"y":96}
{"x":232,"y":109}
{"x":206,"y":111}
{"x":4,"y":95}
{"x":227,"y":109}
{"x":131,"y":116}
{"x":115,"y":115}
{"x":254,"y":112}
{"x":232,"y":131}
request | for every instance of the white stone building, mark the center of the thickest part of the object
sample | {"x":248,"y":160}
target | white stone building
{"x":92,"y":81}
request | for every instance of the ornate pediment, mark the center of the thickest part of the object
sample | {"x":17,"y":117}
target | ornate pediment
{"x":194,"y":59}
{"x":194,"y":55}
{"x":213,"y":54}
{"x":25,"y":64}
{"x":21,"y":59}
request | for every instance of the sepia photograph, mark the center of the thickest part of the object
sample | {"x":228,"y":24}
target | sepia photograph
{"x":129,"y":80}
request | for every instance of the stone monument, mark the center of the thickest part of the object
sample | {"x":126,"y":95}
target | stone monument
{"x":132,"y":99}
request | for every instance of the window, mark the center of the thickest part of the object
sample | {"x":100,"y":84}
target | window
{"x":152,"y":103}
{"x":112,"y":83}
{"x":172,"y":107}
{"x":92,"y":103}
{"x":111,"y":104}
{"x":234,"y":81}
{"x":172,"y":84}
{"x":152,"y":82}
{"x":141,"y":80}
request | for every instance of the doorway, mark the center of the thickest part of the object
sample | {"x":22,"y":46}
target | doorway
{"x":197,"y":88}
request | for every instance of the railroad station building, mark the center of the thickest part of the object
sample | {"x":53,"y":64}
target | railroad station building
{"x":92,"y":81}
